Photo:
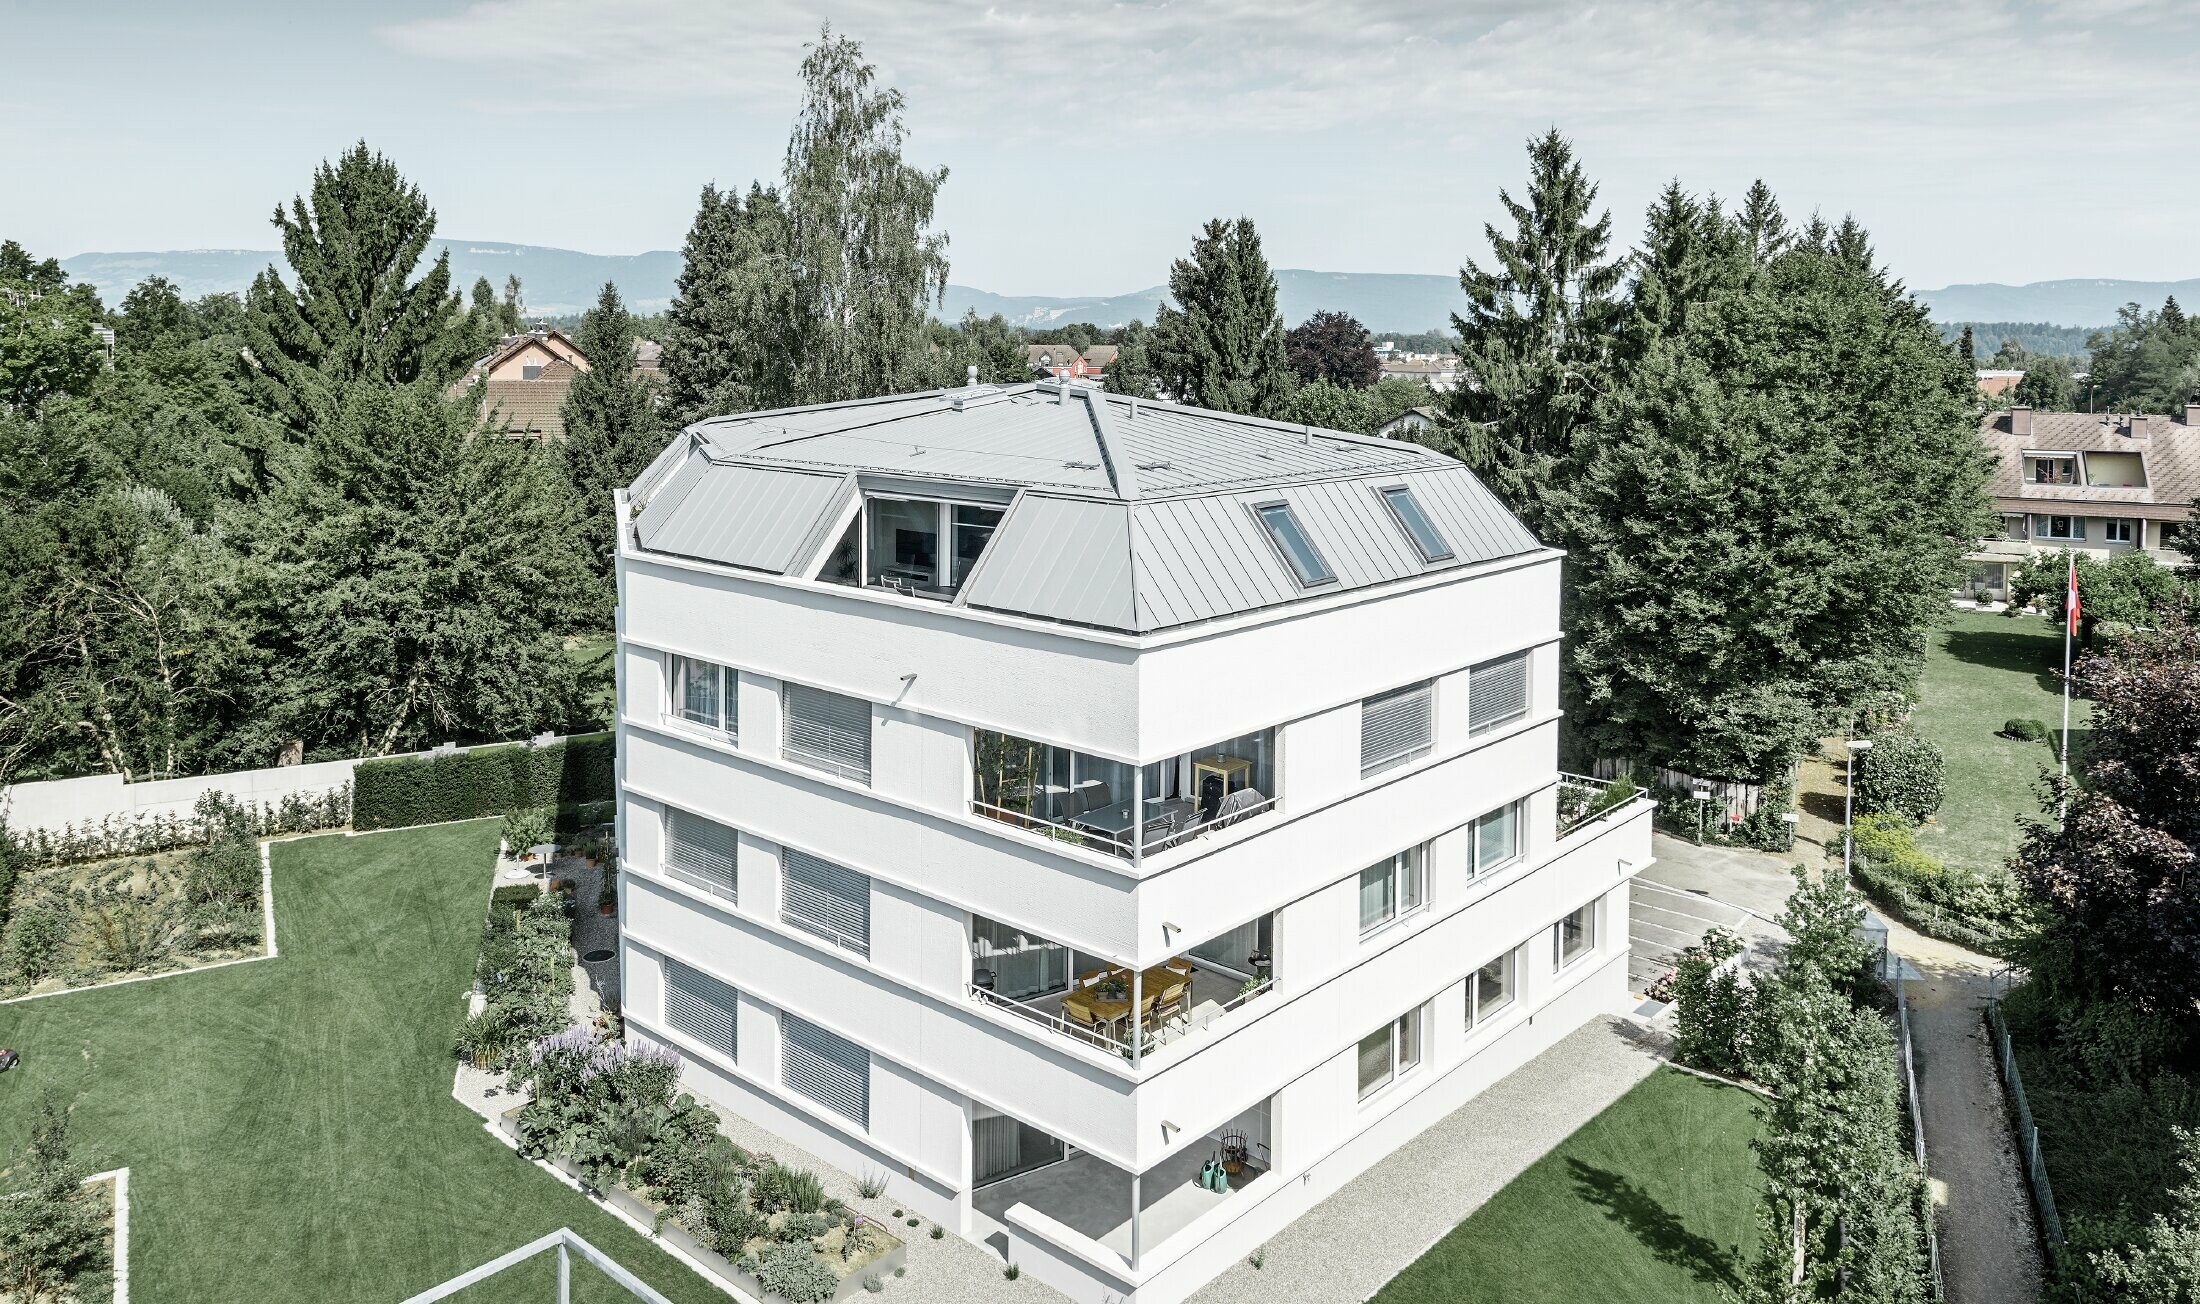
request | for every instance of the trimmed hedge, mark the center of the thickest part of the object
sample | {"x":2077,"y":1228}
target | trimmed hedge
{"x":397,"y":792}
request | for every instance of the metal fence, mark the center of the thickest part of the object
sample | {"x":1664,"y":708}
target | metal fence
{"x":2028,"y":1132}
{"x":565,"y":1244}
{"x":1917,"y":1118}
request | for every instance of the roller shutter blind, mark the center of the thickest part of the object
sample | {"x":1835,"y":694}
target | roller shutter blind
{"x":829,"y":732}
{"x":1497,"y":691}
{"x":1397,"y":726}
{"x":829,"y":900}
{"x":702,"y":1007}
{"x":829,"y":1069}
{"x":702,"y":852}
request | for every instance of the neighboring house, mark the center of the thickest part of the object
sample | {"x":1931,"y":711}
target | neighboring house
{"x":1098,"y":358}
{"x":1412,"y":419}
{"x":1994,"y":384}
{"x":1438,"y":371}
{"x":649,"y":358}
{"x":1057,"y":361}
{"x":524,"y":383}
{"x":2105,"y":484}
{"x":1031,"y":794}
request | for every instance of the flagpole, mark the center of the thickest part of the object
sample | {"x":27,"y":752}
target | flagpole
{"x":2070,"y":622}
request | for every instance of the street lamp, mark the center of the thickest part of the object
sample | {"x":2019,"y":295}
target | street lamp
{"x":1702,"y":795}
{"x":1848,"y":803}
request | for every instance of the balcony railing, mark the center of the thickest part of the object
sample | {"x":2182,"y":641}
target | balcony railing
{"x":1582,"y":800}
{"x":1117,"y":1037}
{"x":1131,"y":844}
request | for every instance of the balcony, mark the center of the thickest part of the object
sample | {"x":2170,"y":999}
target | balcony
{"x":1583,"y":800}
{"x":1108,"y":1007}
{"x":1113,"y":807}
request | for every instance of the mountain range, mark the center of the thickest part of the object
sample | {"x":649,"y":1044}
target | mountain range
{"x":561,"y":282}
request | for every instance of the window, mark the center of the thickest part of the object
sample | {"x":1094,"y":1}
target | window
{"x":1577,"y":936}
{"x":2058,"y":527}
{"x":2116,"y":531}
{"x":2054,"y":470}
{"x":703,"y":1008}
{"x":820,"y":897}
{"x":826,"y":1067}
{"x":703,"y":693}
{"x":1392,"y":889}
{"x":1489,"y":989}
{"x":1397,"y":726}
{"x":530,"y":371}
{"x":973,"y":528}
{"x":1497,"y":838}
{"x":1390,"y":1052}
{"x":1497,"y":692}
{"x":702,"y":852}
{"x":1416,"y":523}
{"x":1291,"y":541}
{"x":828,"y":732}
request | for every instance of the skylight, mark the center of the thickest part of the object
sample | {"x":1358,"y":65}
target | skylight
{"x":1418,"y":527}
{"x":1291,"y":541}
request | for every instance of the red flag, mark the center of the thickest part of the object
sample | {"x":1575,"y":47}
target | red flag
{"x":2070,"y":602}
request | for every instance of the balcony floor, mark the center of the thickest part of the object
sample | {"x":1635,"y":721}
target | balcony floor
{"x":1093,"y":1197}
{"x":1210,"y":993}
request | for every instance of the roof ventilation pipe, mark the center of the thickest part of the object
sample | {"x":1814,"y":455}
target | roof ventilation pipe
{"x":970,"y":375}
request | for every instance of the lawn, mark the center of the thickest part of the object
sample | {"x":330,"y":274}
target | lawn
{"x":288,"y":1125}
{"x":1653,"y":1200}
{"x":1981,"y":671}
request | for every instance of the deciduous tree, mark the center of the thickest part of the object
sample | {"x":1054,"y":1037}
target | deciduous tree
{"x":1333,"y":346}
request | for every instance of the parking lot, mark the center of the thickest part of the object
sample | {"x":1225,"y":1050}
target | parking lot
{"x":1693,"y":889}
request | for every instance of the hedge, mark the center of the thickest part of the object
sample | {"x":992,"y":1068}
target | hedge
{"x":403,"y":791}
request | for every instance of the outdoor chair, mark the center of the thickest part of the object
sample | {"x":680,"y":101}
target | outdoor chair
{"x":1237,"y":804}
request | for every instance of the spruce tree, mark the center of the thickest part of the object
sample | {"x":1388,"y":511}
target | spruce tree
{"x":357,"y":313}
{"x":1965,"y":349}
{"x":1221,"y":345}
{"x":1538,"y":334}
{"x":726,"y":333}
{"x":611,"y":427}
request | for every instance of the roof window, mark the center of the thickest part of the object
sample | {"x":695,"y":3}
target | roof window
{"x":1416,"y":523}
{"x":1291,"y":541}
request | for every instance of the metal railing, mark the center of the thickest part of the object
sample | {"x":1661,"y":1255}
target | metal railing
{"x":2028,"y":1132}
{"x":1110,"y":1039}
{"x":1583,"y":799}
{"x":1130,"y":845}
{"x":567,"y":1244}
{"x":1917,"y":1123}
{"x":1106,"y":1041}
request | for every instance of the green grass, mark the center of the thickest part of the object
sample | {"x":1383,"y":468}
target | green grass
{"x":288,"y":1124}
{"x":1981,"y":671}
{"x":1653,"y":1200}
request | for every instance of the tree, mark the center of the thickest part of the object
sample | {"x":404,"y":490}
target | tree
{"x":1766,"y":517}
{"x":1333,"y":346}
{"x":53,"y":1234}
{"x":612,"y":432}
{"x":1221,"y":345}
{"x":357,"y":313}
{"x":1537,"y":336}
{"x":1965,"y":349}
{"x":2163,"y":1266}
{"x":820,"y":291}
{"x":49,"y":343}
{"x":990,"y":344}
{"x":1689,"y":249}
{"x":2116,"y":874}
{"x":2050,"y":382}
{"x":1133,"y":369}
{"x":390,"y":593}
{"x":2147,"y":362}
{"x":2129,"y":589}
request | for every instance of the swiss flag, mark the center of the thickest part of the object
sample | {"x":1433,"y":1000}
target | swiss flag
{"x":2070,"y":601}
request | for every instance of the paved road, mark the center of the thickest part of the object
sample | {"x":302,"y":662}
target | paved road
{"x":1691,"y":889}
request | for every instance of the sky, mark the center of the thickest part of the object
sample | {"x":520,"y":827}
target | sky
{"x":1979,"y":140}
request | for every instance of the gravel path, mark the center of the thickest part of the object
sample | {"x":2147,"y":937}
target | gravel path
{"x":1344,"y":1249}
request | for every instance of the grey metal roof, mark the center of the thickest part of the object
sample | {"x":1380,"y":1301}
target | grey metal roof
{"x":1130,"y":515}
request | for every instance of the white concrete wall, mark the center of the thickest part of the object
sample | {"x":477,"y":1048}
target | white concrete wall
{"x":52,"y":805}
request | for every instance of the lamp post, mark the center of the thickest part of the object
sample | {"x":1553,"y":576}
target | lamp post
{"x":1702,"y":795}
{"x":1848,"y":804}
{"x":1787,"y":817}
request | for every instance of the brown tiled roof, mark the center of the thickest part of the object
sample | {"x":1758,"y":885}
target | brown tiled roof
{"x":527,"y":407}
{"x":1055,"y":355}
{"x":2169,"y":450}
{"x":649,"y":356}
{"x":1101,"y":355}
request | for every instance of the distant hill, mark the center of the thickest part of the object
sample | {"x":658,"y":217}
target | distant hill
{"x":2087,"y":303}
{"x":2037,"y":336}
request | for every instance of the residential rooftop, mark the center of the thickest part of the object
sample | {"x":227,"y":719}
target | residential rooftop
{"x":2161,"y":484}
{"x":1062,"y":503}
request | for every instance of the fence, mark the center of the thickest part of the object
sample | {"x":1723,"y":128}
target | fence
{"x":2028,"y":1133}
{"x":1917,"y":1120}
{"x":567,"y":1244}
{"x":1739,"y":798}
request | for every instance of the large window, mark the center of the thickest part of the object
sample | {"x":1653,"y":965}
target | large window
{"x":826,"y":1067}
{"x":1390,"y":1052}
{"x":702,"y":1007}
{"x":1392,"y":889}
{"x":1397,"y":726}
{"x":1415,"y":522}
{"x":703,"y":693}
{"x":1112,"y":807}
{"x":1497,"y":838}
{"x":1497,"y":692}
{"x":1490,"y":989}
{"x":829,"y":732}
{"x":2058,"y":527}
{"x":1576,"y":936}
{"x":702,"y":852}
{"x":825,"y":899}
{"x":1290,"y":540}
{"x":2117,"y":531}
{"x":920,"y":546}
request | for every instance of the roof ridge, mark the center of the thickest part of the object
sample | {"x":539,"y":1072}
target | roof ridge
{"x":1121,"y":473}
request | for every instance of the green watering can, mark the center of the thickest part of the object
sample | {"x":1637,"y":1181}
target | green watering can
{"x":1212,"y":1177}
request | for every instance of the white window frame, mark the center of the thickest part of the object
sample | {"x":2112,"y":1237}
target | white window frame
{"x":1561,"y":961}
{"x":2118,"y":529}
{"x":1526,"y":659}
{"x":797,"y":869}
{"x":699,"y":877}
{"x":1476,"y":1015}
{"x":1406,"y":872}
{"x":1406,"y":700}
{"x":1475,"y":867}
{"x":1395,"y":1034}
{"x":678,"y":669}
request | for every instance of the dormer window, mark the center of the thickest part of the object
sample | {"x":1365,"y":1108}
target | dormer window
{"x":1290,"y":540}
{"x":2052,"y":468}
{"x":925,"y":547}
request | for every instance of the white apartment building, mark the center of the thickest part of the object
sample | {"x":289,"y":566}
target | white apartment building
{"x":1035,"y":795}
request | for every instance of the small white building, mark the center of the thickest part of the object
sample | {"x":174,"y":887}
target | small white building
{"x":1032,"y":794}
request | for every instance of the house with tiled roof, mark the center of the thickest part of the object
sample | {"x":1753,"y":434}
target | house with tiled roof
{"x":2100,"y":483}
{"x":525,"y":380}
{"x":1056,"y":361}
